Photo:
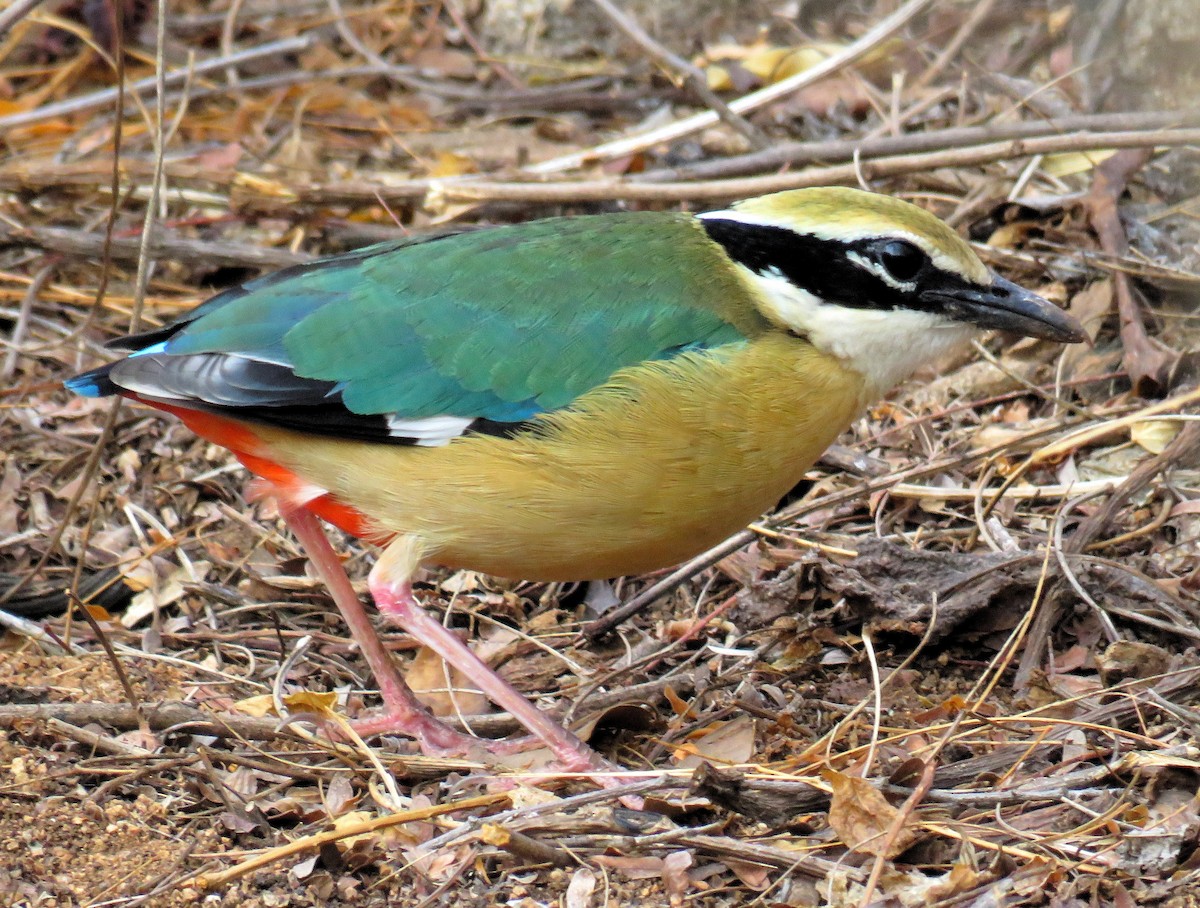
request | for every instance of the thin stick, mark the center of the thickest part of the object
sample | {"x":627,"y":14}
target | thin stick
{"x":107,"y":96}
{"x":15,"y":13}
{"x":833,"y":151}
{"x":846,"y":174}
{"x":630,"y":145}
{"x":970,"y":25}
{"x":693,"y":78}
{"x":69,"y":241}
{"x":313,"y":842}
{"x":683,"y":184}
{"x":17,"y":340}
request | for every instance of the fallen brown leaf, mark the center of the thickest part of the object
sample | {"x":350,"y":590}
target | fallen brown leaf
{"x":862,"y":817}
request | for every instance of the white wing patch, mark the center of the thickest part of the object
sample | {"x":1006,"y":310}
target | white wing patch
{"x":431,"y":432}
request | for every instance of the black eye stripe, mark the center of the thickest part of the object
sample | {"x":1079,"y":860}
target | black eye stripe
{"x":824,"y":267}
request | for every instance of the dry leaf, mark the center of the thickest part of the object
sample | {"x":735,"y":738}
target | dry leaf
{"x":1139,"y":760}
{"x":307,"y":701}
{"x":1091,"y":306}
{"x":679,"y":706}
{"x":961,"y":878}
{"x":675,"y":876}
{"x":10,"y":484}
{"x":536,"y":759}
{"x":580,"y":889}
{"x":632,"y":868}
{"x":445,"y":690}
{"x":522,"y":797}
{"x":355,"y":819}
{"x":258,"y":707}
{"x":912,"y":886}
{"x":453,"y":64}
{"x":161,"y":593}
{"x":1154,"y":434}
{"x":340,"y":796}
{"x":722,"y":742}
{"x":223,"y":157}
{"x":862,"y":817}
{"x":766,"y":64}
{"x":752,"y":876}
{"x":451,"y":164}
{"x":495,"y":835}
{"x":1127,"y":659}
{"x":1070,"y":163}
{"x":798,"y":653}
{"x":99,"y":612}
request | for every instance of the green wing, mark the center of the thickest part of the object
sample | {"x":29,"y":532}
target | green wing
{"x":496,"y":324}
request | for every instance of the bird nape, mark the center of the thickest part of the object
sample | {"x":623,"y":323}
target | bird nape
{"x":573,"y":398}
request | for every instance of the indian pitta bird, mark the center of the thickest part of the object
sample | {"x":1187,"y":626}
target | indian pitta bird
{"x":566,"y":399}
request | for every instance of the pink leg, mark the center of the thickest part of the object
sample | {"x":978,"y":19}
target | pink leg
{"x":395,"y":600}
{"x":403,"y":712}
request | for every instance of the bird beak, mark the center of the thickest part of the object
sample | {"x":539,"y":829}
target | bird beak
{"x":1006,"y":306}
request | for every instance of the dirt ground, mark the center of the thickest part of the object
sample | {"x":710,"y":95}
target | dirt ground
{"x":957,"y":666}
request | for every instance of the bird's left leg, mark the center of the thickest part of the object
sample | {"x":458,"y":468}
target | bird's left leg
{"x":403,"y":712}
{"x":390,"y":586}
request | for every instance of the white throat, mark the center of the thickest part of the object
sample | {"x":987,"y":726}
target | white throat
{"x":885,"y":347}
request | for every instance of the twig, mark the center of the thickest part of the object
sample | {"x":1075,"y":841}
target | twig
{"x":847,"y":174}
{"x":969,"y":26}
{"x":1106,"y":423}
{"x":974,"y":152}
{"x":160,"y":716}
{"x":1111,"y":633}
{"x":692,"y":77}
{"x":135,"y":702}
{"x":15,"y":13}
{"x":832,"y":151}
{"x":227,"y":26}
{"x":1184,"y":448}
{"x":466,"y":830}
{"x":633,"y":144}
{"x":313,"y":842}
{"x":464,"y":28}
{"x":756,"y":853}
{"x":34,"y":631}
{"x":180,"y":249}
{"x":101,"y":743}
{"x":17,"y":340}
{"x":106,"y":96}
{"x":525,"y":847}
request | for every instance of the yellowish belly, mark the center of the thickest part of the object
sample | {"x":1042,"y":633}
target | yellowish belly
{"x":664,"y":461}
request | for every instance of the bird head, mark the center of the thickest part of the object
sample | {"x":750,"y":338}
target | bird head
{"x":876,"y":281}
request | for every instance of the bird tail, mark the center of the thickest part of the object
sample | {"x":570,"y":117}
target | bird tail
{"x":93,"y":383}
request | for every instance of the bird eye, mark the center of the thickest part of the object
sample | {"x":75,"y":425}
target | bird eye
{"x":902,"y":259}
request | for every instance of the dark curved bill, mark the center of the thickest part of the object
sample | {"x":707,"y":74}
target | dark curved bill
{"x":1005,"y":306}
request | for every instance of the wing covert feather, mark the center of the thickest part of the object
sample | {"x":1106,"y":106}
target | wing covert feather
{"x":497,"y":324}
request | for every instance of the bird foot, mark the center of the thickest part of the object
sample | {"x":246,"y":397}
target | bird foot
{"x":435,"y":738}
{"x":403,"y":713}
{"x":395,"y":601}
